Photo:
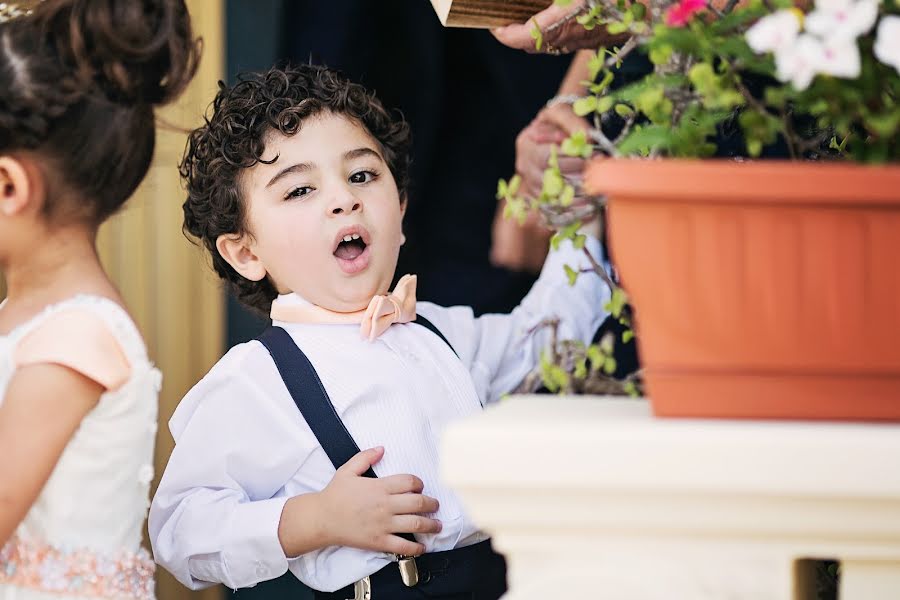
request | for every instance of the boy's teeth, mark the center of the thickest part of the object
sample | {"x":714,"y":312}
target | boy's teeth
{"x":355,"y":236}
{"x":348,"y":238}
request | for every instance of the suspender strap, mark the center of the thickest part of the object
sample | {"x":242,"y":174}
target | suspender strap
{"x":420,"y":320}
{"x":312,"y":400}
{"x":309,"y":395}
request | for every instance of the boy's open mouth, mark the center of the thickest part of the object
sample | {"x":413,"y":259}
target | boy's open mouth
{"x":352,"y":248}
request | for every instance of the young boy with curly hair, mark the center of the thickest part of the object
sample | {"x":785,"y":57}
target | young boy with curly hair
{"x":297,"y":186}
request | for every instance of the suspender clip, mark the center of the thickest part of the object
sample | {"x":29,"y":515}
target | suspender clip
{"x":362,"y":589}
{"x":409,"y":571}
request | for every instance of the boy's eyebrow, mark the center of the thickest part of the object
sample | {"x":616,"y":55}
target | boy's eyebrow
{"x":298,"y":168}
{"x":360,"y":152}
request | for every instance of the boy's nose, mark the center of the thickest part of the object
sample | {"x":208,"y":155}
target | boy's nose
{"x":345,"y":204}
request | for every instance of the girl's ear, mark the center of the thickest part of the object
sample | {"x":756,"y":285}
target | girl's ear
{"x":16,"y":187}
{"x":237,"y":253}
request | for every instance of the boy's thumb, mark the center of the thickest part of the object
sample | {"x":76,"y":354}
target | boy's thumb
{"x":363,"y":461}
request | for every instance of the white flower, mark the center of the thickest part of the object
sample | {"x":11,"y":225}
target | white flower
{"x":840,"y":57}
{"x":842,"y":19}
{"x":799,"y":62}
{"x":774,"y":32}
{"x":887,"y":44}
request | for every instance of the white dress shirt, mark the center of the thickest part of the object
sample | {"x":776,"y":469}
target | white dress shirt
{"x":243,"y":448}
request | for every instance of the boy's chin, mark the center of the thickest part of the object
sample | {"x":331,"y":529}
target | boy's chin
{"x":355,"y":301}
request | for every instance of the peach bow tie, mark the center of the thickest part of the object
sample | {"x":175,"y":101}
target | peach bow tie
{"x":383,"y":311}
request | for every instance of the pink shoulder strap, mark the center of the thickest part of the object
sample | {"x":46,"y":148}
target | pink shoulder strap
{"x":80,"y":340}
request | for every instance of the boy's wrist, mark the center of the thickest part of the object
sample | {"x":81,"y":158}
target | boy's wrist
{"x":301,"y":528}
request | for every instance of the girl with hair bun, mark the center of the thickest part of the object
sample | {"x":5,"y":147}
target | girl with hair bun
{"x":79,"y":80}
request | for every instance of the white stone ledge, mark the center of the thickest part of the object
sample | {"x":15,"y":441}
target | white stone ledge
{"x":586,"y":492}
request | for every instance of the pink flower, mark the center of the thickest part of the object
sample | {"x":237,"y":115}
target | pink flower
{"x":681,"y":13}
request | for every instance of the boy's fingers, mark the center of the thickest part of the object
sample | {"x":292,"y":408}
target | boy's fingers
{"x":402,"y":484}
{"x":362,"y":461}
{"x":398,"y":545}
{"x":414,"y":524}
{"x":403,"y":504}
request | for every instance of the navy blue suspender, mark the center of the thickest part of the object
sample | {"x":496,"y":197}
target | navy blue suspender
{"x":310,"y":396}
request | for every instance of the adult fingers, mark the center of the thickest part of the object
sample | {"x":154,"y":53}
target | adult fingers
{"x":563,"y":117}
{"x":519,"y":36}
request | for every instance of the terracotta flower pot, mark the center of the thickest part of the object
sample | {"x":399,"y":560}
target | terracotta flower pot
{"x":761,"y":289}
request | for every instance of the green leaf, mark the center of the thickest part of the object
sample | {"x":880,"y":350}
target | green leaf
{"x":567,"y":196}
{"x":595,"y":65}
{"x":537,"y":35}
{"x":562,"y":2}
{"x":585,"y":106}
{"x":571,"y":274}
{"x":754,"y":147}
{"x":609,"y":365}
{"x":606,"y":344}
{"x":648,"y":138}
{"x":515,"y":209}
{"x":553,"y":182}
{"x":514,"y":184}
{"x":577,"y":145}
{"x":604,"y":104}
{"x":884,"y":125}
{"x":502,"y":189}
{"x":623,"y":110}
{"x":616,"y":28}
{"x":595,"y":356}
{"x":627,"y":336}
{"x":639,"y":11}
{"x":579,"y":241}
{"x":581,"y":368}
{"x":617,"y":301}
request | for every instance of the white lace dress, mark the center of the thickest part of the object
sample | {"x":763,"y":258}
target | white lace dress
{"x":82,"y":537}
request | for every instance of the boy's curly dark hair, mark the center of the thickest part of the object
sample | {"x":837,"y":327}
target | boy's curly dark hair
{"x":233,"y":139}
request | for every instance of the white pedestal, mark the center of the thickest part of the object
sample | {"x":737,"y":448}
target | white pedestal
{"x":593,"y":497}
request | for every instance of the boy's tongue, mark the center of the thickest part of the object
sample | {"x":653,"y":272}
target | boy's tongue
{"x":350,"y":250}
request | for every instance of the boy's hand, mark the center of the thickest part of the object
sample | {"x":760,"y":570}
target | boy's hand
{"x":359,"y":512}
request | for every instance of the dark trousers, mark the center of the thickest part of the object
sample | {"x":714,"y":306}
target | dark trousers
{"x":471,"y":573}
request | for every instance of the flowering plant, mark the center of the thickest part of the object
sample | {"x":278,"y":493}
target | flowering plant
{"x":836,"y":66}
{"x":817,"y":79}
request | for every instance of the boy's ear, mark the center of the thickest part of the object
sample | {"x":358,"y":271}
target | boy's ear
{"x":403,"y":205}
{"x":237,"y":253}
{"x":16,"y":187}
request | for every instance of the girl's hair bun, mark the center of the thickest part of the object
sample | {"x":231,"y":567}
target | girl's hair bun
{"x":136,"y":51}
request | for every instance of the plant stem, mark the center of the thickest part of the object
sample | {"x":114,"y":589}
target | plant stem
{"x":623,"y":51}
{"x":599,"y":270}
{"x":789,"y":136}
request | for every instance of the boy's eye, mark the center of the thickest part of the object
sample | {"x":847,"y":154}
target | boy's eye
{"x":362,"y":177}
{"x":299,"y":191}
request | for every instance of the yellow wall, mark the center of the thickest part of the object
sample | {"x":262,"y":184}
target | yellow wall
{"x":174,"y":297}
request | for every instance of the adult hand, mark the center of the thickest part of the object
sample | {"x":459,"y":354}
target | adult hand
{"x":561,"y":32}
{"x":535,"y":143}
{"x":524,"y":247}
